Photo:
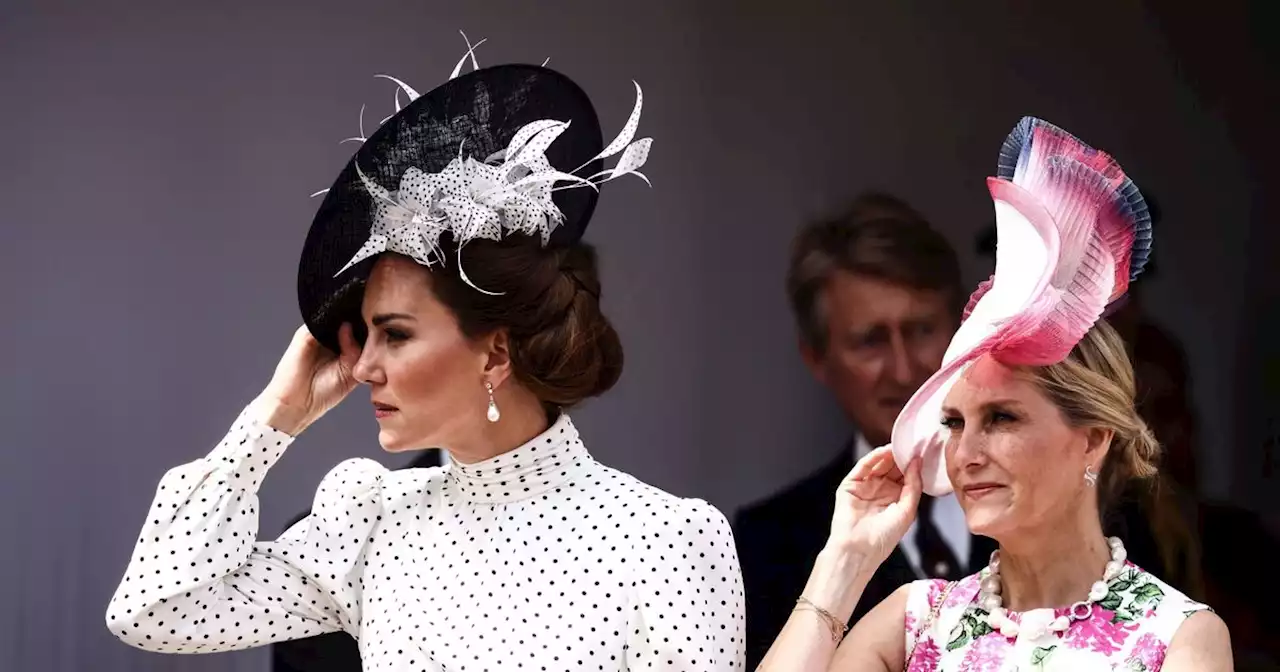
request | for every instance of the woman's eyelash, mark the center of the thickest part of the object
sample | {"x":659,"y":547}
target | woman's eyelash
{"x":995,"y":417}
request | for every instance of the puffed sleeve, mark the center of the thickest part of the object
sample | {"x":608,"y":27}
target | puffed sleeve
{"x":687,"y":598}
{"x":199,"y":581}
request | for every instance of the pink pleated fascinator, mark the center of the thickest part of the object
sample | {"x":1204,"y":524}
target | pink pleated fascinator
{"x":1072,"y":232}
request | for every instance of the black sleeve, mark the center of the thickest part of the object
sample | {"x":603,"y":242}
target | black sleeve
{"x":765,"y":575}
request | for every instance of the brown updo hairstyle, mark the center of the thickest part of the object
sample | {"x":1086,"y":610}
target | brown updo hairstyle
{"x":1095,"y":387}
{"x":563,"y":349}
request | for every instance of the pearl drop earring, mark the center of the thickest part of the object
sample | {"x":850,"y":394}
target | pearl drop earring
{"x":493,"y":413}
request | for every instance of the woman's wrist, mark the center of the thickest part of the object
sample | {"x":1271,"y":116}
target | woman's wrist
{"x":839,"y":576}
{"x":282,"y":417}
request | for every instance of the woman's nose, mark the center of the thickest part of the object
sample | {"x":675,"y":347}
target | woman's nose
{"x":366,"y":369}
{"x":968,"y":447}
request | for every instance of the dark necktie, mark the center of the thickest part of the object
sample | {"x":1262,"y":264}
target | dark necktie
{"x":936,"y":559}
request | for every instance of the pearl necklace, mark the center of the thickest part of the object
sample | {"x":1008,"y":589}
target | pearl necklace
{"x":1036,"y":623}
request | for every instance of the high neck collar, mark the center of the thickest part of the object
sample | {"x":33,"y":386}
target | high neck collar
{"x":543,"y":464}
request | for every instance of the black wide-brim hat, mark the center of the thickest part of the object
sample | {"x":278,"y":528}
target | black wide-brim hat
{"x":475,"y":114}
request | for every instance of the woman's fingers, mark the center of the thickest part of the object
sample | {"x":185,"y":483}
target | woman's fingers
{"x":879,"y":463}
{"x":349,"y":349}
{"x":892,"y":472}
{"x":909,"y":498}
{"x":877,"y":478}
{"x":874,"y":489}
{"x":872,"y":464}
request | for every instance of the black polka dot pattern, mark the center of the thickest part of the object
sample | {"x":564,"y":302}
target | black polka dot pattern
{"x":537,"y":559}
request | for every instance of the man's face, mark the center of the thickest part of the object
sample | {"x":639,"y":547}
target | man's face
{"x":883,"y":341}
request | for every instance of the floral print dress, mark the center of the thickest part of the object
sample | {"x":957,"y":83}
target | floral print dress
{"x":1128,"y":630}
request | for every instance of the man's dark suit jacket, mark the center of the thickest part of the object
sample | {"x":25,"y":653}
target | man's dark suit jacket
{"x":778,"y":540}
{"x":334,"y":651}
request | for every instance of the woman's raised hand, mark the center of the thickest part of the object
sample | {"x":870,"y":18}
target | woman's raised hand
{"x":875,"y":504}
{"x":309,"y":381}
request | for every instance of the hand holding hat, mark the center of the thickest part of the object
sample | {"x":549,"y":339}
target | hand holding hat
{"x":308,"y":382}
{"x":875,"y":504}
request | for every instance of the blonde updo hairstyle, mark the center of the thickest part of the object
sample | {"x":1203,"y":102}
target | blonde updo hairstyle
{"x":1095,"y":387}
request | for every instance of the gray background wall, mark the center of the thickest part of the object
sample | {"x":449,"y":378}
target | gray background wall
{"x":158,"y":160}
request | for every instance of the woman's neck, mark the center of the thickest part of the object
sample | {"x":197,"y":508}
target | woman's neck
{"x":1055,"y":566}
{"x":519,"y":424}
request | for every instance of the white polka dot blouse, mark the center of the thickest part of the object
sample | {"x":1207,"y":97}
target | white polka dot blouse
{"x":537,"y":559}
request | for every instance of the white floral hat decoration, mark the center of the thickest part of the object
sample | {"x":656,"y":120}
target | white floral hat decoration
{"x":502,"y":150}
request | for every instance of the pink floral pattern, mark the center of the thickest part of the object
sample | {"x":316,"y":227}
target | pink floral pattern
{"x":1148,"y":652}
{"x":1101,"y":632}
{"x":935,"y":590}
{"x":925,"y":658}
{"x":964,"y":592}
{"x":986,"y":654}
{"x":1127,"y":630}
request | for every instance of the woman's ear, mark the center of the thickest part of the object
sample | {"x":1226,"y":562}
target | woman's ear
{"x":497,"y":353}
{"x":1098,"y":444}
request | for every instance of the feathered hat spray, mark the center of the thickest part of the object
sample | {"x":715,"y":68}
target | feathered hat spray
{"x":507,"y":149}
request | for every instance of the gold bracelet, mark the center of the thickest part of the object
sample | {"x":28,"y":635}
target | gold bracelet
{"x":837,"y":628}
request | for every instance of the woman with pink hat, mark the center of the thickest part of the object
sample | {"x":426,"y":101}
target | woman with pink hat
{"x":1031,"y":422}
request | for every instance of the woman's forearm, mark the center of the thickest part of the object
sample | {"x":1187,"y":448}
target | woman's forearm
{"x":836,"y":584}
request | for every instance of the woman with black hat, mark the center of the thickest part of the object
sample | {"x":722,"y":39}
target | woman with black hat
{"x":445,"y":271}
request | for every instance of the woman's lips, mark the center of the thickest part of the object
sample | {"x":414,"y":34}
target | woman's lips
{"x":980,"y":490}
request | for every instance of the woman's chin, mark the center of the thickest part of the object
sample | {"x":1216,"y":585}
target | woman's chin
{"x":987,"y":521}
{"x":392,"y":442}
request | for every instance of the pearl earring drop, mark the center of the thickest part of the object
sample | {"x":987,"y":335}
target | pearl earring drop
{"x":492,"y":413}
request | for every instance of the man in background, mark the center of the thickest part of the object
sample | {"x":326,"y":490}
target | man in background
{"x":876,"y":295}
